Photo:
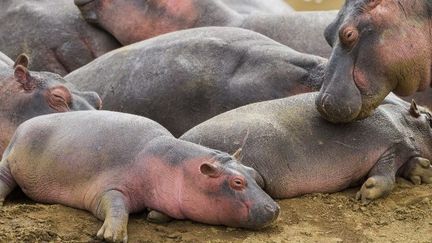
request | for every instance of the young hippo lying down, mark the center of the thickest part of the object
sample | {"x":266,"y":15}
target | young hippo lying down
{"x":25,"y":94}
{"x":113,"y":164}
{"x":295,"y":151}
{"x":184,"y":78}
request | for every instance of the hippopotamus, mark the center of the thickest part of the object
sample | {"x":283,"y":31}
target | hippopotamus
{"x":252,"y":6}
{"x":113,"y":164}
{"x":130,"y":21}
{"x":378,"y":47}
{"x":25,"y":94}
{"x":51,"y":32}
{"x":203,"y":72}
{"x":297,"y":152}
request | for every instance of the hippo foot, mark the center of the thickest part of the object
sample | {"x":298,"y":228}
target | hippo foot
{"x":113,"y":232}
{"x":374,"y":188}
{"x":420,"y":171}
{"x":158,"y":217}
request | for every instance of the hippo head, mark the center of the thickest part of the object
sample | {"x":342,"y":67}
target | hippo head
{"x":379,"y":46}
{"x":230,"y":189}
{"x":419,"y":119}
{"x":131,"y":21}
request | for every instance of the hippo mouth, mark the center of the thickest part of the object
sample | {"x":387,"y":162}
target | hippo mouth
{"x":81,"y":3}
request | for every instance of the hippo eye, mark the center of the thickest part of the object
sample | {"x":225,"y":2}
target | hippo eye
{"x":349,"y":36}
{"x":237,"y":184}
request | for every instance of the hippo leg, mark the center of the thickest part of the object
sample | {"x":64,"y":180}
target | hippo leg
{"x":381,"y":180}
{"x":7,"y":182}
{"x":418,"y":170}
{"x":112,"y":209}
{"x":158,"y":217}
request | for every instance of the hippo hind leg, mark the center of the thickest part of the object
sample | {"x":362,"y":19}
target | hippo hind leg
{"x":381,"y":180}
{"x":112,"y":210}
{"x":418,"y":170}
{"x":7,"y":182}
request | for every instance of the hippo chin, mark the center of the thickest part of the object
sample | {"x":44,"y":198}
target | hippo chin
{"x":378,"y":47}
{"x":296,"y":152}
{"x":204,"y":72}
{"x":25,"y":94}
{"x":130,"y":21}
{"x":52,"y":33}
{"x":113,"y":164}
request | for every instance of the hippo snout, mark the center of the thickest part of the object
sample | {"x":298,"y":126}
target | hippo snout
{"x":261,"y":217}
{"x":332,"y":109}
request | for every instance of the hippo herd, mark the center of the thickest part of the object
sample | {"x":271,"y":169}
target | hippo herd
{"x":212,"y":108}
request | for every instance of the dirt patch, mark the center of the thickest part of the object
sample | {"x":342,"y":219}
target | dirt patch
{"x":404,"y":216}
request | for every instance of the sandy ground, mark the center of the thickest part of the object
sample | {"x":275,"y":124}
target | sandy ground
{"x":404,"y":216}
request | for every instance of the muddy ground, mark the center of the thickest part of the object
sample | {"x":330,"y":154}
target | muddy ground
{"x":404,"y":216}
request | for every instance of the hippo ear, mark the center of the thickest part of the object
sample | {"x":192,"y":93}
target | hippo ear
{"x":210,"y":170}
{"x":22,"y":60}
{"x":22,"y":76}
{"x":238,"y":154}
{"x":414,"y":111}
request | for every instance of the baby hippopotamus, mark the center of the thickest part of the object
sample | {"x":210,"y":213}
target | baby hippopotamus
{"x":113,"y":164}
{"x":25,"y":94}
{"x":296,"y":151}
{"x":203,"y":72}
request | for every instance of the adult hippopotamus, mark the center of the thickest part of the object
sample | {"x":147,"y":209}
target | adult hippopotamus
{"x":378,"y":47}
{"x":25,"y":94}
{"x":254,"y":6}
{"x":51,"y":32}
{"x":131,"y":21}
{"x":113,"y":164}
{"x":203,"y":72}
{"x":296,"y":152}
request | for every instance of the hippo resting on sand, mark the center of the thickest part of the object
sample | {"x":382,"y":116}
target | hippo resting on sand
{"x":253,"y":6}
{"x":296,"y":152}
{"x":25,"y":94}
{"x":113,"y":164}
{"x":130,"y":21}
{"x":52,"y":33}
{"x":378,"y":47}
{"x":203,"y":72}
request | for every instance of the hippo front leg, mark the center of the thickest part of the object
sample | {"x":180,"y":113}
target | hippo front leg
{"x":381,"y":180}
{"x":7,"y":182}
{"x":418,"y":170}
{"x":112,"y":209}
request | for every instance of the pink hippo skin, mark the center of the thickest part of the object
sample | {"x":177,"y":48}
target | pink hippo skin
{"x":297,"y":152}
{"x":25,"y":94}
{"x":130,"y":21}
{"x":113,"y":164}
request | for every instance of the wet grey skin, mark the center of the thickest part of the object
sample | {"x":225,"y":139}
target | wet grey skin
{"x":203,"y":72}
{"x":52,"y":33}
{"x":297,"y":152}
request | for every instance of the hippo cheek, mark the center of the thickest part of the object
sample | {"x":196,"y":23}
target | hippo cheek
{"x":339,"y":100}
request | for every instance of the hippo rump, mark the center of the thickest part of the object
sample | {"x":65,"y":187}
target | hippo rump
{"x":125,"y":163}
{"x":253,"y":6}
{"x":51,"y":32}
{"x":378,"y":47}
{"x":302,"y":31}
{"x":203,"y":72}
{"x":297,"y":152}
{"x":25,"y":94}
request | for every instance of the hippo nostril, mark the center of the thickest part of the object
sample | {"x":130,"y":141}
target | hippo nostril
{"x":274,"y":210}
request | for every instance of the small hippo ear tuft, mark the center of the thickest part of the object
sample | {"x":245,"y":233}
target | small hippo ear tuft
{"x":238,"y":154}
{"x":22,"y":60}
{"x":210,"y":170}
{"x":22,"y":76}
{"x":414,"y":111}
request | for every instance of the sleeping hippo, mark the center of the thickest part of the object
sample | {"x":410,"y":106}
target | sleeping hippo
{"x":203,"y":72}
{"x":253,"y":6}
{"x":51,"y":32}
{"x":296,"y":152}
{"x":125,"y":163}
{"x":131,"y":21}
{"x":378,"y":47}
{"x":25,"y":94}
